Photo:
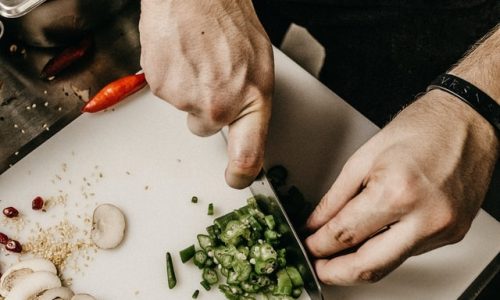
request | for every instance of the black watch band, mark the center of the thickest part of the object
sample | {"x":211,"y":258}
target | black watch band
{"x":468,"y":93}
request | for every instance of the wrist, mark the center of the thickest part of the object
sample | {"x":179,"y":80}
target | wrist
{"x":459,"y":115}
{"x":482,"y":66}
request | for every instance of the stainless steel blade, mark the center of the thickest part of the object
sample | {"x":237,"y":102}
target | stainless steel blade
{"x":270,"y":204}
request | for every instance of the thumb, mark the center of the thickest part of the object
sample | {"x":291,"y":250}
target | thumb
{"x":246,"y":142}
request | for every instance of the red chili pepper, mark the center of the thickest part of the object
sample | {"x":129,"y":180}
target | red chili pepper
{"x":66,"y":58}
{"x":114,"y":92}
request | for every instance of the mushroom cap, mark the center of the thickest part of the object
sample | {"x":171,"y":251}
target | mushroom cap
{"x":60,"y":293}
{"x":33,"y":284}
{"x":82,"y":297}
{"x":108,"y":226}
{"x":16,"y":272}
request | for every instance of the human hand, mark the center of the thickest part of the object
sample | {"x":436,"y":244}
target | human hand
{"x":424,"y":176}
{"x":213,"y":60}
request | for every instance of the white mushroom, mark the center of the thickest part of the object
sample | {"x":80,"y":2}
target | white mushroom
{"x":17,"y":272}
{"x":60,"y":293}
{"x":108,"y":226}
{"x":82,"y":297}
{"x":33,"y":284}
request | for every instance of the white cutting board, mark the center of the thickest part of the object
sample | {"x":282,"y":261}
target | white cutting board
{"x":151,"y":166}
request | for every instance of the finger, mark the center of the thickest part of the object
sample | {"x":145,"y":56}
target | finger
{"x":373,"y":260}
{"x":359,"y":219}
{"x":346,"y":186}
{"x":246,"y":142}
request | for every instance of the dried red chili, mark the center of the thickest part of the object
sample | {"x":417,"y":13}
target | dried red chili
{"x":66,"y":58}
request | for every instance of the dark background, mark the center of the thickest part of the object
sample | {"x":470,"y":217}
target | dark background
{"x":380,"y":55}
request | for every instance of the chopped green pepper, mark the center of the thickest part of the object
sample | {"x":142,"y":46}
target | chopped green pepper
{"x":187,"y":253}
{"x":244,"y":246}
{"x":206,"y":242}
{"x":195,"y":294}
{"x":210,"y":276}
{"x":172,"y":281}
{"x":194,"y":199}
{"x":296,"y":292}
{"x":200,"y":258}
{"x":295,"y":276}
{"x":210,"y":209}
{"x":205,"y":285}
{"x":285,"y":285}
{"x":270,"y":221}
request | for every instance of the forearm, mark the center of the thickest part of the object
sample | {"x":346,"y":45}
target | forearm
{"x":481,"y":66}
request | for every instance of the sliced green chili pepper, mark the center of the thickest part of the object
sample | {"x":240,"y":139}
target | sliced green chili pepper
{"x":296,"y":292}
{"x":205,"y":285}
{"x":187,"y":254}
{"x":172,"y":281}
{"x":285,"y":285}
{"x":243,"y":268}
{"x":210,"y":276}
{"x":209,"y":262}
{"x":206,"y":242}
{"x":295,"y":276}
{"x":270,"y":221}
{"x":242,"y":245}
{"x":271,"y":236}
{"x":231,"y":293}
{"x":210,"y":209}
{"x":249,"y":288}
{"x":281,"y":258}
{"x":195,"y":294}
{"x":232,"y":278}
{"x":213,"y":231}
{"x":200,"y":258}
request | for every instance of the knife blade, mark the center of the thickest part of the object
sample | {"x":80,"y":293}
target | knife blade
{"x":269,"y":203}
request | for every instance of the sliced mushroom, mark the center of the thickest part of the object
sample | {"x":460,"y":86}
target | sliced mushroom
{"x":60,"y":293}
{"x":108,"y":227}
{"x":82,"y":297}
{"x":17,"y":272}
{"x":33,"y":284}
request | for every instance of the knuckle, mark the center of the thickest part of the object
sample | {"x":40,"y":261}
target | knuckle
{"x":341,"y":234}
{"x":401,"y":191}
{"x":370,"y":276}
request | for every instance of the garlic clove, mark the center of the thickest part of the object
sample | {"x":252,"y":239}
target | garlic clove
{"x":108,"y":226}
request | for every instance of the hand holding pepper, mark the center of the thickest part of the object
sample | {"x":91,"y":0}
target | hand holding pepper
{"x":214,"y":61}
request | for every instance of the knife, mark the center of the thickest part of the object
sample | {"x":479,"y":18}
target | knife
{"x":269,"y":203}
